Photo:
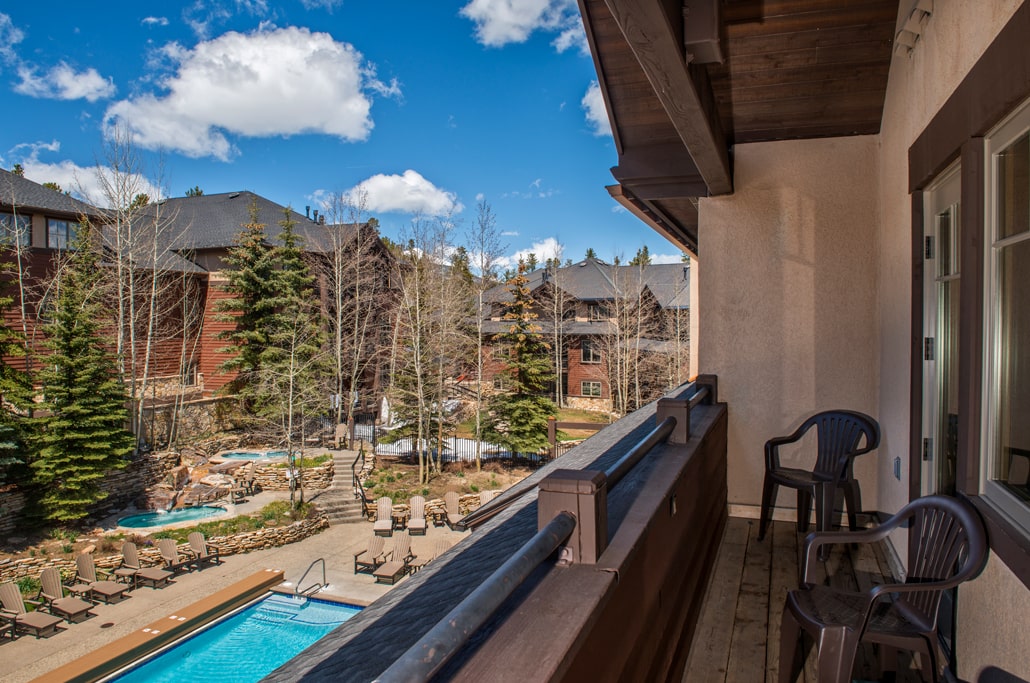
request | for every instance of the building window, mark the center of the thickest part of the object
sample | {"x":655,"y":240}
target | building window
{"x":591,"y":351}
{"x":597,"y":312}
{"x":590,"y":388}
{"x":1005,"y":470}
{"x":15,"y":229}
{"x":59,"y":233}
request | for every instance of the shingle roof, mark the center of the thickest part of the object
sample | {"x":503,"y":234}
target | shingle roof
{"x":595,"y":280}
{"x":20,"y":192}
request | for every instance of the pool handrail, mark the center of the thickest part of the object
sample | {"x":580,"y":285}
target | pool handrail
{"x":315,"y":587}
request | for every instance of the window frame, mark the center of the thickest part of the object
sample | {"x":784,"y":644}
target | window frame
{"x":1007,"y":504}
{"x":586,"y":343}
{"x":70,"y":232}
{"x":592,"y":382}
{"x":20,"y":224}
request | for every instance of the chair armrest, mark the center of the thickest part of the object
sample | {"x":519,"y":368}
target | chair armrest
{"x":816,"y":539}
{"x":104,"y":574}
{"x":772,"y":456}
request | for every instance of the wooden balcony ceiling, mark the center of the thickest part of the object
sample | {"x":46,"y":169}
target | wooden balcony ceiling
{"x":792,"y":69}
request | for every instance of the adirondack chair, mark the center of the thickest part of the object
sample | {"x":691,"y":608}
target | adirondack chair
{"x":417,"y":518}
{"x":102,"y":589}
{"x":384,"y":517}
{"x":372,"y":556}
{"x":12,"y":607}
{"x":52,"y":597}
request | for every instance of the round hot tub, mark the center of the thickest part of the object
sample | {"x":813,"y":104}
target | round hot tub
{"x":145,"y":520}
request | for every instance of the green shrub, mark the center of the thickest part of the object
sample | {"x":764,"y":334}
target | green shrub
{"x":67,"y":548}
{"x":28,"y":585}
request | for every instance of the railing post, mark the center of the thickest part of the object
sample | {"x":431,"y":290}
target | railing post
{"x":552,"y":436}
{"x":584,"y":493}
{"x":712,"y":382}
{"x":678,"y":408}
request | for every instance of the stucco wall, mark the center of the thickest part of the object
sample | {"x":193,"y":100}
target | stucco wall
{"x":788,"y":297}
{"x":952,"y":40}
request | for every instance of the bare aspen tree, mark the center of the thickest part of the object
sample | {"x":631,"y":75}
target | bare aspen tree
{"x":485,"y":249}
{"x":557,"y":306}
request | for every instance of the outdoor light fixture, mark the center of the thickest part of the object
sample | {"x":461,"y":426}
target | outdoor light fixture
{"x":905,"y":40}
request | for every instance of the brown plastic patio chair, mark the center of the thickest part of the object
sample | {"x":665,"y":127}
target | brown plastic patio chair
{"x":175,"y":561}
{"x":102,"y":589}
{"x":839,"y":434}
{"x":400,"y":562}
{"x":384,"y":517}
{"x":417,"y":520}
{"x":52,"y":597}
{"x":450,"y":501}
{"x":137,"y":573}
{"x":372,"y":556}
{"x":12,"y":607}
{"x":948,"y":545}
{"x":203,"y":552}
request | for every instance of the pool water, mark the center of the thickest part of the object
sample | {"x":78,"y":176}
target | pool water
{"x":252,"y":455}
{"x":160,"y":518}
{"x":247,"y":646}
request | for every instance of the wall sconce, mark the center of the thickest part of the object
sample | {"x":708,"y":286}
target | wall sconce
{"x":905,"y":40}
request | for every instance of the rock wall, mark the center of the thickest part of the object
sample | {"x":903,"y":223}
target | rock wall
{"x":12,"y":502}
{"x":261,"y":539}
{"x":272,"y":478}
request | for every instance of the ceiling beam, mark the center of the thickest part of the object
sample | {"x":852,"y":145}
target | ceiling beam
{"x":682,"y":235}
{"x":684,"y":91}
{"x":660,"y":171}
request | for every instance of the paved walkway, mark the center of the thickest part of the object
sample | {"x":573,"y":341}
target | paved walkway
{"x":27,"y":658}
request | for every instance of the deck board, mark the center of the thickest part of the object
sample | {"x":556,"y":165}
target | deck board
{"x":738,"y":635}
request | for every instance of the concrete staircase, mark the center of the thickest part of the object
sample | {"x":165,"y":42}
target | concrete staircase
{"x":338,"y":501}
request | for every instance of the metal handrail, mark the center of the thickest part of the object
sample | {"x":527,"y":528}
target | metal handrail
{"x":359,"y":490}
{"x":627,"y":462}
{"x":700,"y":395}
{"x":435,"y":648}
{"x":298,"y":591}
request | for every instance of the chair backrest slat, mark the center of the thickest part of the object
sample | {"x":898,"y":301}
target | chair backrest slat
{"x":839,"y":434}
{"x":418,"y":507}
{"x":130,"y":557}
{"x":198,"y":544}
{"x":50,"y":581}
{"x":450,"y":499}
{"x":376,"y":545}
{"x":87,"y":571}
{"x":401,"y":545}
{"x":10,"y":598}
{"x":384,"y":508}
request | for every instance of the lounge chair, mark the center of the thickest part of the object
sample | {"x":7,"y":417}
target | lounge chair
{"x":174,"y":561}
{"x":245,"y":478}
{"x":102,"y":589}
{"x":12,"y":607}
{"x":203,"y":552}
{"x":439,"y":548}
{"x":399,"y":564}
{"x":417,"y":520}
{"x":450,"y":501}
{"x":372,"y":556}
{"x":131,"y":567}
{"x":384,"y":517}
{"x":52,"y":597}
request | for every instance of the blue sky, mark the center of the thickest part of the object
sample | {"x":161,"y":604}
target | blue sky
{"x":427,"y":107}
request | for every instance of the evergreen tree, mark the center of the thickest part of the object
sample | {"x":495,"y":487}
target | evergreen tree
{"x":195,"y":191}
{"x":518,"y":416}
{"x":15,"y":394}
{"x":642,"y":257}
{"x":591,"y":253}
{"x":252,"y":286}
{"x":83,"y":436}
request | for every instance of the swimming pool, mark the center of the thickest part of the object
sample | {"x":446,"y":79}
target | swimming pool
{"x":252,"y":455}
{"x":245,"y":646}
{"x":161,"y":518}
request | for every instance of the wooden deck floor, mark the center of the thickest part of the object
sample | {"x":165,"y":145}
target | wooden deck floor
{"x":738,"y":636}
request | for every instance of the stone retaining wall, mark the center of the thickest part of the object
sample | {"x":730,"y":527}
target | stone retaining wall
{"x":272,"y":478}
{"x":12,"y":502}
{"x":260,"y":539}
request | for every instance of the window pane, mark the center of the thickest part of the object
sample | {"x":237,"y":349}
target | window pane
{"x":1012,"y":458}
{"x":14,"y":228}
{"x":1013,"y":188}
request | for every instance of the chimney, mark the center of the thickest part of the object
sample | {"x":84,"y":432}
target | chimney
{"x":321,"y":219}
{"x":307,"y":211}
{"x":316,"y":216}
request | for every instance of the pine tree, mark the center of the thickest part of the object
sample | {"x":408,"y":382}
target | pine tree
{"x":591,"y":253}
{"x":251,"y":284}
{"x":15,"y":395}
{"x":518,"y":417}
{"x":82,"y":436}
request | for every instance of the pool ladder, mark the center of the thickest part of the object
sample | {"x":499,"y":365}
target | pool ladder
{"x":315,"y":587}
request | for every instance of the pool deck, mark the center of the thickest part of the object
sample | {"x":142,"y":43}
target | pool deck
{"x":28,"y":658}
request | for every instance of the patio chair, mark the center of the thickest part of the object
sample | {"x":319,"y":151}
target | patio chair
{"x":12,"y":607}
{"x":839,"y":435}
{"x":132,"y":569}
{"x":384,"y":517}
{"x":175,"y":561}
{"x":439,"y":548}
{"x":948,"y":545}
{"x":417,"y":520}
{"x":52,"y":597}
{"x":245,"y":478}
{"x":372,"y":556}
{"x":450,"y":501}
{"x":399,"y":564}
{"x":204,"y":553}
{"x":102,"y":589}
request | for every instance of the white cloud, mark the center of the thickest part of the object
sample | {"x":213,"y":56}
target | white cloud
{"x":84,"y":182}
{"x":62,"y":82}
{"x":259,"y":84}
{"x":573,"y":36}
{"x":406,"y":193}
{"x":546,"y":248}
{"x":597,"y":114}
{"x":328,"y":5}
{"x":666,"y":258}
{"x":10,"y":35}
{"x":510,"y":233}
{"x":154,"y":21}
{"x":499,"y":22}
